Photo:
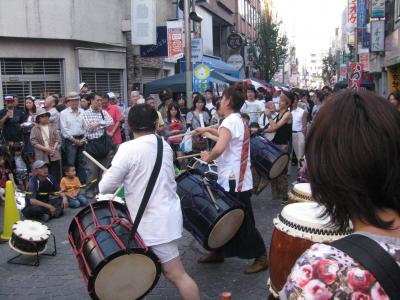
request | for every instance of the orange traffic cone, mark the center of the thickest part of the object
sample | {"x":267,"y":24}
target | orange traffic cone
{"x":11,"y":214}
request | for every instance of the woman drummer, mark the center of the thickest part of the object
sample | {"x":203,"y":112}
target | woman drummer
{"x":353,"y":157}
{"x":282,"y":127}
{"x":233,"y":153}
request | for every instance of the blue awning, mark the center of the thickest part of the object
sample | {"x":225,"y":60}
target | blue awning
{"x":219,"y":65}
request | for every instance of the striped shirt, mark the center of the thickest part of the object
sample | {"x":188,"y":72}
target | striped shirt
{"x":96,"y":117}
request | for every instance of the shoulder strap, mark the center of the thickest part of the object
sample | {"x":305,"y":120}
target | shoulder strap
{"x":102,"y":115}
{"x":244,"y":156}
{"x":375,"y":259}
{"x":149,"y":188}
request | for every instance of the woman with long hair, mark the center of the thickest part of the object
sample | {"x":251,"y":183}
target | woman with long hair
{"x":353,"y":157}
{"x":232,"y":152}
{"x":196,"y":118}
{"x":29,"y":122}
{"x":174,"y":124}
{"x":282,"y":126}
{"x":182,"y":106}
{"x":394,"y":99}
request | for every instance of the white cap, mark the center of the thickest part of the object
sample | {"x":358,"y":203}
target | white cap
{"x":141,"y":100}
{"x":111,"y":95}
{"x":81,"y":85}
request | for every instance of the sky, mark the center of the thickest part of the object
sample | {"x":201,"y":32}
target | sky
{"x":310,"y":24}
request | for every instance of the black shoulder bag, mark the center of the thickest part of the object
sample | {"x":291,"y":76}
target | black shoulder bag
{"x":375,"y":259}
{"x":101,"y":146}
{"x":149,"y":189}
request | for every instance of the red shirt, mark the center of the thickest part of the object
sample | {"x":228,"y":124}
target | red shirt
{"x":116,"y":115}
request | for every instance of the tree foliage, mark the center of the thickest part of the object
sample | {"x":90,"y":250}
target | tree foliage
{"x":328,"y":69}
{"x":271,"y":48}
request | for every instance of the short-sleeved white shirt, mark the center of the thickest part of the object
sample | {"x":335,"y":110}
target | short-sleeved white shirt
{"x":254,"y":109}
{"x":229,"y":160}
{"x":132,"y":165}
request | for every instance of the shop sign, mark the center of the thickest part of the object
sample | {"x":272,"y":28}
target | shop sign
{"x":377,"y":8}
{"x":377,"y":36}
{"x":235,"y":41}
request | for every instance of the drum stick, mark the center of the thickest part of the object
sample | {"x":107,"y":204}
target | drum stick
{"x":92,"y":159}
{"x":192,"y":132}
{"x":189,"y":156}
{"x":210,"y":192}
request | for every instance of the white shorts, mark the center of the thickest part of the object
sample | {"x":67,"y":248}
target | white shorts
{"x":166,"y":252}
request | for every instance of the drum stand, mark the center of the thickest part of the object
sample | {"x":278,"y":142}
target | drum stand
{"x":36,"y":253}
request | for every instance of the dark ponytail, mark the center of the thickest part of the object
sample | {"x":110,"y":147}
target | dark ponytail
{"x":235,"y":94}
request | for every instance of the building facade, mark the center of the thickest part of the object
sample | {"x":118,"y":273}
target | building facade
{"x":50,"y":46}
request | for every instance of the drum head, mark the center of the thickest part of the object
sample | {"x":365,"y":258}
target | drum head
{"x":129,"y":276}
{"x":30,"y":230}
{"x":225,"y":228}
{"x":278,"y":166}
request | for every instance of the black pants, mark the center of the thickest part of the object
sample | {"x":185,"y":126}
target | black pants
{"x":55,"y":170}
{"x":248,"y":242}
{"x":35,"y":212}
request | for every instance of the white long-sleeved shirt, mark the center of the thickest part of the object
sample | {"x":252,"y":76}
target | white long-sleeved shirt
{"x":132,"y":165}
{"x":71,"y":123}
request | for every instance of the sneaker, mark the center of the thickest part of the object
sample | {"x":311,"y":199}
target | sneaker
{"x":259,"y":264}
{"x":45,"y":218}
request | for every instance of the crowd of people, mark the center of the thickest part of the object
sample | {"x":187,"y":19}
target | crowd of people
{"x":43,"y":149}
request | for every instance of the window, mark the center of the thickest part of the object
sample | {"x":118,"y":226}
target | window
{"x":241,"y":7}
{"x":103,"y":81}
{"x":397,"y":11}
{"x":37,"y":77}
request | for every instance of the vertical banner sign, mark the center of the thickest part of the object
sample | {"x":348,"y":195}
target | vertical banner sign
{"x":343,"y":72}
{"x":175,"y":40}
{"x":377,"y":8}
{"x":377,"y":36}
{"x":356,"y":70}
{"x":143,"y":22}
{"x":197,"y":50}
{"x":362,"y":34}
{"x":201,"y":77}
{"x":352,"y":17}
{"x":363,"y":55}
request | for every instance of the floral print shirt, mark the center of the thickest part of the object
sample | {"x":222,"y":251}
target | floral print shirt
{"x":324,"y":272}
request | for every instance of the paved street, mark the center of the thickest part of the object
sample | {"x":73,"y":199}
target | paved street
{"x":58,"y":277}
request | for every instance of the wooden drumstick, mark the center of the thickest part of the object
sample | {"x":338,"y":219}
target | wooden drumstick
{"x":210,"y":193}
{"x":93,"y":160}
{"x":191,"y":132}
{"x":189,"y":156}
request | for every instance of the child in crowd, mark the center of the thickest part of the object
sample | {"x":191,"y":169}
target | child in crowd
{"x":71,"y":185}
{"x":43,"y":199}
{"x":20,"y":166}
{"x":254,"y":128}
{"x":245,"y":118}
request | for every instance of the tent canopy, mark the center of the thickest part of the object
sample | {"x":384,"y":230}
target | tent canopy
{"x":177,"y":82}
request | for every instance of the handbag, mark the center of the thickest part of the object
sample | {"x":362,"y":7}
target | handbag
{"x":375,"y":259}
{"x":148,"y":191}
{"x":101,"y":146}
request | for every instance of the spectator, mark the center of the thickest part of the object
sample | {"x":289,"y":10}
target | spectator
{"x":166,"y":101}
{"x":210,"y":102}
{"x":44,"y":199}
{"x":29,"y":122}
{"x":96,"y":121}
{"x":113,"y":110}
{"x":183,"y":109}
{"x":394,"y":99}
{"x":133,"y":101}
{"x":20,"y":166}
{"x":253,"y":107}
{"x":254,"y":128}
{"x":46,"y":141}
{"x":198,"y":117}
{"x":174,"y":124}
{"x":83,"y":89}
{"x":152,"y":102}
{"x":73,"y":133}
{"x":11,"y":119}
{"x":50,"y":105}
{"x":16,"y":100}
{"x":4,"y":172}
{"x":71,"y":186}
{"x":262,"y":94}
{"x":264,"y":122}
{"x":299,"y":130}
{"x":62,"y":105}
{"x":86,"y":100}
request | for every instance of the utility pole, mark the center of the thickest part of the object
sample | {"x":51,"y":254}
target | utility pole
{"x":188,"y":54}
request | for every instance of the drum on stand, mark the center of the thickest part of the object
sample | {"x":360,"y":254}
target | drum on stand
{"x":210,"y":214}
{"x":112,"y":266}
{"x":301,"y":192}
{"x":267,"y":158}
{"x":297,"y":227}
{"x":29,"y":237}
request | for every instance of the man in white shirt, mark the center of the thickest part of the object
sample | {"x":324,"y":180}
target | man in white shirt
{"x":299,"y":130}
{"x":252,"y":107}
{"x":209,"y":102}
{"x":276,"y":97}
{"x":73,"y":133}
{"x":161,"y":224}
{"x":50,"y":105}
